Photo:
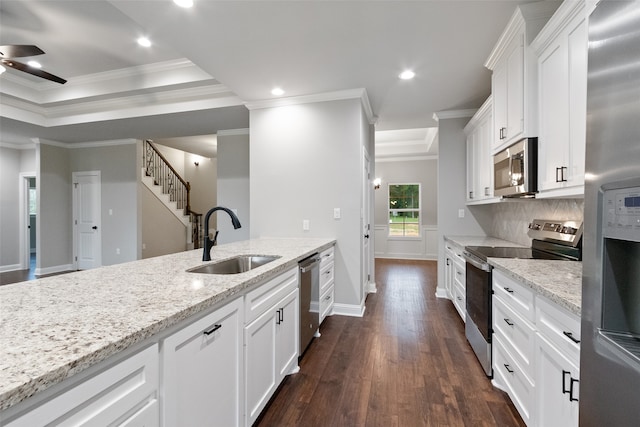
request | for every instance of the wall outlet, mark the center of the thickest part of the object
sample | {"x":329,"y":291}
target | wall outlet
{"x":144,"y":246}
{"x":336,"y":213}
{"x":305,"y":225}
{"x":460,"y":213}
{"x":110,"y":212}
{"x":117,"y":251}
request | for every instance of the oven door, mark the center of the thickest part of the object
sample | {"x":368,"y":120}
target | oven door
{"x":478,"y":296}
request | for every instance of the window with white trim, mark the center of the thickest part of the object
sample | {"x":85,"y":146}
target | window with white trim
{"x":404,"y":210}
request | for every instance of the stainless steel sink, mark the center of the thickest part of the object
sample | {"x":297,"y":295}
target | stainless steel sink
{"x":235,"y":265}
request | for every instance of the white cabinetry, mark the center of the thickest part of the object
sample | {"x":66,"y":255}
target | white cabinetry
{"x":479,"y":157}
{"x":558,"y":361}
{"x":327,"y":283}
{"x":271,"y":340}
{"x":536,"y":354}
{"x":455,"y":277}
{"x":562,"y":47}
{"x":202,"y":370}
{"x":514,"y":79}
{"x":123,"y":394}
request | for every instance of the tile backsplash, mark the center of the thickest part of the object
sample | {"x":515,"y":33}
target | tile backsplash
{"x":509,"y":219}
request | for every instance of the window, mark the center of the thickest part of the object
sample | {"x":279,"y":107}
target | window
{"x":404,"y":210}
{"x":32,"y":201}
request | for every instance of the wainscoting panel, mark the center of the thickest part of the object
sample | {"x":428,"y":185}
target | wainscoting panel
{"x":424,"y":248}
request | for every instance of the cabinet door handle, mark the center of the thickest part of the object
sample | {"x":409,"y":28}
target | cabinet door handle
{"x":328,"y":297}
{"x":448,"y":261}
{"x":281,"y":314}
{"x":561,"y":178}
{"x":571,"y":337}
{"x":508,"y":368}
{"x":508,"y":290}
{"x":571,"y":389}
{"x":508,"y":322}
{"x":471,"y":194}
{"x":212,"y":330}
{"x":459,"y":298}
{"x":486,"y":191}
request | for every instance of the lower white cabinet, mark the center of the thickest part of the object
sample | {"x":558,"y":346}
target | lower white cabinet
{"x":558,"y":387}
{"x":536,"y":354}
{"x":125,"y":393}
{"x":455,"y":277}
{"x":202,"y":370}
{"x":271,"y":352}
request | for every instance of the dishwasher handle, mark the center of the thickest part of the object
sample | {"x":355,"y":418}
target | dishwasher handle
{"x":309,"y":263}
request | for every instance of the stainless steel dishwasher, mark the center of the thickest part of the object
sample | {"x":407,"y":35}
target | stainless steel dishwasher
{"x":309,"y":300}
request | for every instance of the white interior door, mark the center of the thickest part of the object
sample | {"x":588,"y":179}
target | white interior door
{"x":366,"y":223}
{"x":87,"y":227}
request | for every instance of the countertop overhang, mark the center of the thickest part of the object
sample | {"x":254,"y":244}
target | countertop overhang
{"x":56,"y":327}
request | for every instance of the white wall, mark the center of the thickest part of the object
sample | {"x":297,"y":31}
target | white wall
{"x":162,"y":232}
{"x":9,"y":212}
{"x":424,"y":172}
{"x":233,"y":184}
{"x":306,"y":160}
{"x":452,"y":166}
{"x":53,"y":230}
{"x":119,"y":194}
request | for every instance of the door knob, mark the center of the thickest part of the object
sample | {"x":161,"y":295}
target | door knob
{"x":366,"y":236}
{"x":95,"y":227}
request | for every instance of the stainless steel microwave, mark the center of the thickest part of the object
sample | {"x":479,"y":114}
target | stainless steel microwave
{"x":515,"y":169}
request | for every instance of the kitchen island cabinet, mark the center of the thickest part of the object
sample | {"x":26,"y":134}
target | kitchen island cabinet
{"x":63,"y":332}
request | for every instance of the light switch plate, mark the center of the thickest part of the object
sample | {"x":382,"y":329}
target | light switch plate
{"x":305,"y":225}
{"x":460,"y":213}
{"x":336,"y":213}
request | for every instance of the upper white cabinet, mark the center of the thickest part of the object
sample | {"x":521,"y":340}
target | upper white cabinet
{"x":514,"y":79}
{"x":479,"y":133}
{"x":561,"y":48}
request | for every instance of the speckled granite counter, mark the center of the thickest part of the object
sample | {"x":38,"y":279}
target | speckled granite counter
{"x":480,"y":241}
{"x":560,"y":281}
{"x":53,"y":328}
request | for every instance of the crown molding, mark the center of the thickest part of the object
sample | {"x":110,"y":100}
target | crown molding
{"x":360,"y":93}
{"x":567,"y":11}
{"x":453,"y":114}
{"x":17,"y":146}
{"x":94,"y":144}
{"x":405,"y":158}
{"x":233,"y":132}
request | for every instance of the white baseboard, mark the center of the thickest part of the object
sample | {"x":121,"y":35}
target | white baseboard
{"x":372,"y":288}
{"x":348,"y":310}
{"x":54,"y":269}
{"x":428,"y":257}
{"x":12,"y":267}
{"x":441,"y":293}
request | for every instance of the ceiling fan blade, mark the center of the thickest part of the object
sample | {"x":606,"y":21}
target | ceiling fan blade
{"x":19,"y":50}
{"x":32,"y":70}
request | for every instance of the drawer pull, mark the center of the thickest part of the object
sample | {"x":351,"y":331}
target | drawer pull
{"x":328,"y":271}
{"x":508,"y":290}
{"x":459,"y":299}
{"x":508,"y":368}
{"x":328,"y":298}
{"x":571,"y":337}
{"x":508,"y":322}
{"x":212,"y":330}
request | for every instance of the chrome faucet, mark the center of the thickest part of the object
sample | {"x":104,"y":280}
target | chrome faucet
{"x":208,"y":243}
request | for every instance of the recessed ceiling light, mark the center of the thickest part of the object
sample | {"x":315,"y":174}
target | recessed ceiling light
{"x":2,"y":69}
{"x":184,"y":3}
{"x":407,"y":75}
{"x":34,"y":64}
{"x":277,"y":91}
{"x":143,"y":41}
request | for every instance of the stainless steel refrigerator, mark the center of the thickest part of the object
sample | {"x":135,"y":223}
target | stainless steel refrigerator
{"x":610,"y":348}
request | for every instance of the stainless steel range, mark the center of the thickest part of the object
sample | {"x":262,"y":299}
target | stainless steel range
{"x":554,"y":240}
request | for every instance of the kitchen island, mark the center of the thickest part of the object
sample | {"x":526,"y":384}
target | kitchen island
{"x":54,"y":328}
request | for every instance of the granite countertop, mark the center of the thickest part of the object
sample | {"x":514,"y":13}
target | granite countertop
{"x":53,"y":328}
{"x":480,"y":241}
{"x":559,"y":281}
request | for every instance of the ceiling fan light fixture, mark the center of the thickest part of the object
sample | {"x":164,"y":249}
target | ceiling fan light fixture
{"x":184,"y":3}
{"x":407,"y":75}
{"x":144,"y":41}
{"x":34,"y":64}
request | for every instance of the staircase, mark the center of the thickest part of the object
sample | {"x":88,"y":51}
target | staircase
{"x":172,"y":190}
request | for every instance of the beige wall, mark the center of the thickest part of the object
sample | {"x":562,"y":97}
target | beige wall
{"x":162,"y":232}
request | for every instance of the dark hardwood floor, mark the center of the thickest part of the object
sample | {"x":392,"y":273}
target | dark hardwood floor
{"x":8,"y":277}
{"x":405,"y":363}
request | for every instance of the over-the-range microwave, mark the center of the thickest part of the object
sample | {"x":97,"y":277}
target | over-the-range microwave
{"x":515,"y":169}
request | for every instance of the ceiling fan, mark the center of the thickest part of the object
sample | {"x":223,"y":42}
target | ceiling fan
{"x":8,"y":52}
